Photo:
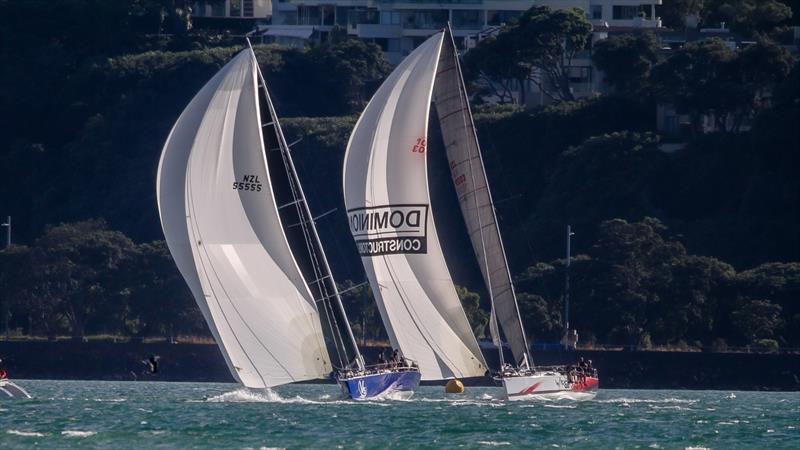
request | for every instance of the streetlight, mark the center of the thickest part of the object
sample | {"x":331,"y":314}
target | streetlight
{"x":566,"y":288}
{"x":8,"y":232}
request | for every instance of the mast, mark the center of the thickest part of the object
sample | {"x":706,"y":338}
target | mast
{"x":566,"y":288}
{"x":527,"y":360}
{"x":322,"y":271}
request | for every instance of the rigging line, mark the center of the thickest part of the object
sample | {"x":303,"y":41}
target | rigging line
{"x":311,"y":241}
{"x":316,"y":198}
{"x":299,"y":300}
{"x":477,"y":215}
{"x":321,"y":288}
{"x":279,"y":138}
{"x":474,"y":133}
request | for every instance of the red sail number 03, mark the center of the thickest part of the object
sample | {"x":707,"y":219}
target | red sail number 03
{"x":419,"y":147}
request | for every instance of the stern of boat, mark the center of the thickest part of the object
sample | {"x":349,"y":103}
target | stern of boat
{"x":549,"y":386}
{"x":396,"y":384}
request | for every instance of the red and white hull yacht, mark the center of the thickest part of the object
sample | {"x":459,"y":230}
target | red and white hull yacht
{"x":554,"y":383}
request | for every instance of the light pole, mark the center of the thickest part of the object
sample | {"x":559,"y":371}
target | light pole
{"x":566,"y":288}
{"x":8,"y":232}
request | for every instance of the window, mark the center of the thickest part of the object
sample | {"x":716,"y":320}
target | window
{"x":383,"y":43}
{"x":247,"y":8}
{"x":390,"y":18}
{"x":426,"y":20}
{"x":579,"y":74}
{"x":625,"y":12}
{"x":285,"y":18}
{"x":328,"y":14}
{"x":365,"y":16}
{"x":308,"y":15}
{"x":470,"y":19}
{"x":497,"y":18}
{"x":235,"y":8}
{"x":218,"y":9}
{"x":342,"y":15}
{"x":596,"y":12}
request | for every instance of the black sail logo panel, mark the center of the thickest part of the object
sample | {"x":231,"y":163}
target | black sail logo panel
{"x":390,"y":229}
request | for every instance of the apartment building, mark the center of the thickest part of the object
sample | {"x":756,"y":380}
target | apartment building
{"x":232,"y":9}
{"x":399,"y":26}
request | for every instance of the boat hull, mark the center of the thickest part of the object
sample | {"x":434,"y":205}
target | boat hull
{"x":398,"y":385}
{"x":10,"y":389}
{"x":549,"y":386}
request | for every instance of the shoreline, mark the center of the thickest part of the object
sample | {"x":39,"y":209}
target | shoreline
{"x":71,"y":360}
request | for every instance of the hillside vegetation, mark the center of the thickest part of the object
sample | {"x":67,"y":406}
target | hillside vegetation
{"x":697,"y":247}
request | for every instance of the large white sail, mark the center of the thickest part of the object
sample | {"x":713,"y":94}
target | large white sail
{"x":222,"y":227}
{"x":474,"y":196}
{"x":389,"y":209}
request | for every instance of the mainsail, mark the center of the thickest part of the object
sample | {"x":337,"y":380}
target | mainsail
{"x":224,"y":231}
{"x":389,"y":210}
{"x":475,"y":199}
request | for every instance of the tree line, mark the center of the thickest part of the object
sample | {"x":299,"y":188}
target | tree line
{"x":636,"y":285}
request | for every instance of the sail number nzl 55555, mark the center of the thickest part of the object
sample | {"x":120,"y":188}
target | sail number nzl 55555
{"x":248,"y":183}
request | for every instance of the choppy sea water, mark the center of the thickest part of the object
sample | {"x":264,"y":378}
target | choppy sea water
{"x":90,"y":414}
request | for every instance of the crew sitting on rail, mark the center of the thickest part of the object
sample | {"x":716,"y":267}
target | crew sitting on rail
{"x":381,"y":361}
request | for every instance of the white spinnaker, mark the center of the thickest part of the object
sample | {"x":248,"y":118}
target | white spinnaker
{"x":229,"y":243}
{"x":474,"y":197}
{"x":386,"y":170}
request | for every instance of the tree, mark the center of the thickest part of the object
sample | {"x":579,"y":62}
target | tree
{"x":548,"y":41}
{"x":757,"y":319}
{"x":696,"y":80}
{"x":494,"y":65}
{"x":539,"y":318}
{"x":332,"y":77}
{"x":746,"y":16}
{"x":76,"y":261}
{"x":159,"y":301}
{"x":362,"y":312}
{"x":626,"y":60}
{"x":540,"y":48}
{"x":605,"y":176}
{"x":673,"y":13}
{"x":477,"y":317}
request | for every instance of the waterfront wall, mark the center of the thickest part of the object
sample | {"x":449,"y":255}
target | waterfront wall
{"x":72,"y":360}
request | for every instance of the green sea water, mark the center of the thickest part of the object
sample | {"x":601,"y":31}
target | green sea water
{"x":90,"y":414}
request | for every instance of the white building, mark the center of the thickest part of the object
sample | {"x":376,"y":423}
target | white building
{"x":232,"y":9}
{"x":398,"y":26}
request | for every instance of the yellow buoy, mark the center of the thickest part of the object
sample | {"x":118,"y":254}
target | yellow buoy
{"x":454,"y":387}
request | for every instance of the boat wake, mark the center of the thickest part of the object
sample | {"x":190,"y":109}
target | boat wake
{"x":562,"y":396}
{"x":246,"y":395}
{"x":625,"y":400}
{"x":25,"y":433}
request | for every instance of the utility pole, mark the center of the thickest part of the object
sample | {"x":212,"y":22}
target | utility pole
{"x":566,"y":288}
{"x":8,"y":232}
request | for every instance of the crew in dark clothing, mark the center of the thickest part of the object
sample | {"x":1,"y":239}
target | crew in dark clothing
{"x":381,"y":361}
{"x":395,"y":358}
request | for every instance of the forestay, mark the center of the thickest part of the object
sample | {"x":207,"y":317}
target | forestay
{"x":389,"y":210}
{"x":222,"y":227}
{"x":474,"y":196}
